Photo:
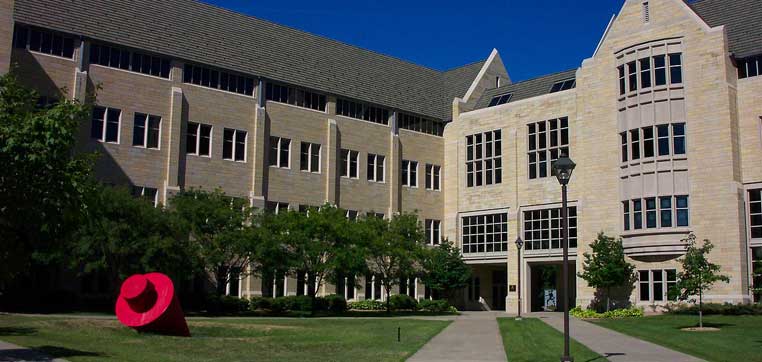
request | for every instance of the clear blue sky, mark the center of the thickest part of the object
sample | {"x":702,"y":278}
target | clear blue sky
{"x":533,"y":37}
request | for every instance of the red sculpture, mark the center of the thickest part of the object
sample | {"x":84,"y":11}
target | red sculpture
{"x":147,"y":303}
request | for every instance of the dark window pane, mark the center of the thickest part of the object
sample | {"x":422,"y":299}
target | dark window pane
{"x":138,"y":131}
{"x":227,"y":144}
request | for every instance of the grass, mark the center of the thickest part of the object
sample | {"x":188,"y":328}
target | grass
{"x":532,"y":340}
{"x":739,"y":337}
{"x":244,"y":339}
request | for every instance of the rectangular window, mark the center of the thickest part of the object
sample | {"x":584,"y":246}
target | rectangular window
{"x":420,"y":124}
{"x":622,"y":80}
{"x":363,"y":111}
{"x":44,"y":41}
{"x":125,"y":59}
{"x":678,"y":134}
{"x":756,"y":265}
{"x":433,"y":232}
{"x":500,"y":99}
{"x":485,"y":233}
{"x":149,"y":194}
{"x":648,"y":142}
{"x":626,"y":212}
{"x":681,"y":210}
{"x":218,"y":79}
{"x":645,"y":285}
{"x":675,"y":68}
{"x":234,"y":145}
{"x":432,"y":177}
{"x":635,"y":144}
{"x":376,"y":167}
{"x":484,"y":164}
{"x":280,"y":148}
{"x":657,"y":285}
{"x":409,"y":173}
{"x":623,"y":136}
{"x":548,"y":141}
{"x":350,"y":163}
{"x":543,"y":229}
{"x":310,"y":157}
{"x":563,"y":85}
{"x":650,"y":213}
{"x":660,"y":70}
{"x":632,"y":71}
{"x":755,"y":213}
{"x":662,"y":131}
{"x":295,"y":96}
{"x":665,"y":211}
{"x":146,"y":130}
{"x":274,"y":207}
{"x":199,"y":139}
{"x":105,"y":124}
{"x":637,"y":214}
{"x":645,"y":73}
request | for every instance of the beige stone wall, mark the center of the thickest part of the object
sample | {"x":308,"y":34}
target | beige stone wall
{"x":6,"y":35}
{"x":750,"y":128}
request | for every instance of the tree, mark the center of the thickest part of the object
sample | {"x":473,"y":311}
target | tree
{"x":392,"y":247}
{"x":698,"y":274}
{"x":606,"y":267}
{"x":223,"y":232}
{"x":122,"y":235}
{"x":444,"y":269}
{"x":42,"y":181}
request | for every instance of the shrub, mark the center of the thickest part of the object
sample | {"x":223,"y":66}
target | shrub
{"x":436,"y":306}
{"x":226,"y":304}
{"x":260,"y":303}
{"x":402,"y":302}
{"x":336,"y":303}
{"x":616,"y":313}
{"x":716,"y":308}
{"x":367,"y":305}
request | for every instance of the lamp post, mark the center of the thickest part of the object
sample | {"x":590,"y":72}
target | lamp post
{"x":519,"y":244}
{"x":563,"y":168}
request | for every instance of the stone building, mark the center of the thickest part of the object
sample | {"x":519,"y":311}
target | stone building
{"x":663,"y":121}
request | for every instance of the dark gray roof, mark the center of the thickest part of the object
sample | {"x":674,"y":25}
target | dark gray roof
{"x":742,"y":19}
{"x":198,"y":32}
{"x":526,"y":89}
{"x":458,"y":80}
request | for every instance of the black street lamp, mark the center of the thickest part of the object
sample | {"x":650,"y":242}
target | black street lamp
{"x":563,"y":168}
{"x":519,"y":244}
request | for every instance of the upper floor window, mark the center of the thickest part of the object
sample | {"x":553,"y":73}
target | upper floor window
{"x":105,"y":124}
{"x":234,"y":145}
{"x":647,"y":142}
{"x":484,"y":160}
{"x":295,"y":96}
{"x":749,"y":67}
{"x":212,"y":78}
{"x":660,"y":212}
{"x":543,"y":229}
{"x":432,"y":177}
{"x":421,"y":124}
{"x":362,"y":111}
{"x":146,"y":130}
{"x":485,"y":233}
{"x":279,"y":152}
{"x":657,"y":70}
{"x":44,"y":41}
{"x":432,"y":230}
{"x":350,"y":161}
{"x":120,"y":58}
{"x":409,"y":173}
{"x":563,"y":85}
{"x":376,"y":167}
{"x":198,"y":139}
{"x":548,"y":140}
{"x":310,"y":157}
{"x":500,"y":99}
{"x":149,"y":194}
{"x":755,"y":213}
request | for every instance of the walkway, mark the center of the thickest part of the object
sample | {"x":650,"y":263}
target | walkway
{"x":616,"y":347}
{"x":473,"y":336}
{"x":11,"y":352}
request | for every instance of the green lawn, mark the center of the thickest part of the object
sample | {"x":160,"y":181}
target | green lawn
{"x":532,"y":340}
{"x":739,"y":337}
{"x":92,"y":339}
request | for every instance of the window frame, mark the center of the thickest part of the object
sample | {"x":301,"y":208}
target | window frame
{"x":140,"y":192}
{"x":545,"y":144}
{"x":754,"y":202}
{"x":347,"y":156}
{"x":409,"y":173}
{"x":311,"y":154}
{"x":146,"y":131}
{"x":475,"y":234}
{"x":104,"y":125}
{"x":198,"y":137}
{"x":433,"y":231}
{"x":433,"y":177}
{"x":234,"y":145}
{"x":279,"y":150}
{"x":542,"y":229}
{"x":374,"y":166}
{"x":664,"y":282}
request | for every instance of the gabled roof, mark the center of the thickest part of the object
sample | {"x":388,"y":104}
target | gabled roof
{"x":742,"y":19}
{"x":526,"y":89}
{"x":198,"y":32}
{"x":458,"y":80}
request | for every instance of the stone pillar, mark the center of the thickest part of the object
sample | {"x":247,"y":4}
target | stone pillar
{"x":6,"y":35}
{"x":259,"y":138}
{"x":79,"y":91}
{"x":393,"y":163}
{"x":173,"y":180}
{"x":331,"y":163}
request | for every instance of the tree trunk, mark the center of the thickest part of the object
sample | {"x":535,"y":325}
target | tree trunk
{"x":701,"y":311}
{"x":388,"y":304}
{"x":608,"y":299}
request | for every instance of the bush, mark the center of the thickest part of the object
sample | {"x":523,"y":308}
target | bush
{"x":367,"y":305}
{"x":716,"y":308}
{"x":436,"y":306}
{"x":260,"y":303}
{"x":336,"y":303}
{"x":616,"y":313}
{"x":226,"y":304}
{"x":402,"y":302}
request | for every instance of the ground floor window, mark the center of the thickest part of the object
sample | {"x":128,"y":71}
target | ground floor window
{"x":408,"y":286}
{"x":657,"y":285}
{"x":429,"y":293}
{"x":305,"y":283}
{"x":755,"y":213}
{"x":373,"y":285}
{"x":756,"y":264}
{"x":345,"y":286}
{"x":234,"y":282}
{"x":274,"y":284}
{"x":474,"y":289}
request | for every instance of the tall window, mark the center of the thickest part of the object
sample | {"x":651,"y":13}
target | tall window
{"x":409,"y":173}
{"x":755,"y":213}
{"x":421,"y":124}
{"x":756,"y":265}
{"x":146,"y":129}
{"x":376,"y":167}
{"x":105,"y":124}
{"x":635,"y":144}
{"x":648,"y":142}
{"x":632,"y":72}
{"x":234,"y":145}
{"x":663,"y":134}
{"x":433,"y":231}
{"x":149,"y":194}
{"x":623,"y":137}
{"x":280,"y":148}
{"x":622,"y":80}
{"x":44,"y":41}
{"x":485,"y":233}
{"x":432,"y":177}
{"x":645,"y":73}
{"x":198,"y":139}
{"x":543,"y":229}
{"x":350,"y":163}
{"x":217,"y":79}
{"x":121,"y":58}
{"x":637,"y":214}
{"x":681,"y":210}
{"x":661,"y":212}
{"x":275,"y":207}
{"x":656,"y":285}
{"x":665,"y":211}
{"x":364,"y":111}
{"x":345,"y":286}
{"x":626,"y":212}
{"x":650,"y":212}
{"x":484,"y":160}
{"x":548,"y":140}
{"x":678,"y":132}
{"x":675,"y":68}
{"x":295,"y":96}
{"x":310,"y":157}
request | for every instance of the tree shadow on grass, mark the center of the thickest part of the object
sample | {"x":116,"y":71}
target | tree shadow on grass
{"x":605,"y":357}
{"x":63,"y":352}
{"x":42,"y":354}
{"x":17,"y":331}
{"x":707,"y":325}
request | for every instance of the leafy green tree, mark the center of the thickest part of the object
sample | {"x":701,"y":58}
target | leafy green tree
{"x":392,"y":248}
{"x":42,"y":181}
{"x":444,"y":269}
{"x":606,"y":267}
{"x":123,"y":235}
{"x":223,"y":232}
{"x":698,"y":274}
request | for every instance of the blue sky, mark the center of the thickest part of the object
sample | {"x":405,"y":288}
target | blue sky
{"x":533,"y":37}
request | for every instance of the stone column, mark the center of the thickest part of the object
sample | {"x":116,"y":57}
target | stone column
{"x":331,"y":163}
{"x":393,"y":163}
{"x":173,"y":180}
{"x":259,"y":138}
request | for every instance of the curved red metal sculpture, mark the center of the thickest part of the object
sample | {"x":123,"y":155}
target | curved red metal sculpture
{"x":147,"y":303}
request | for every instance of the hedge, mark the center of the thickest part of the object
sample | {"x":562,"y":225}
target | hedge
{"x":716,"y":308}
{"x":616,"y":313}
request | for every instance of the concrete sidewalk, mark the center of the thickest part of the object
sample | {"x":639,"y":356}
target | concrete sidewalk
{"x":13,"y":353}
{"x":616,"y":347}
{"x":473,"y":336}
